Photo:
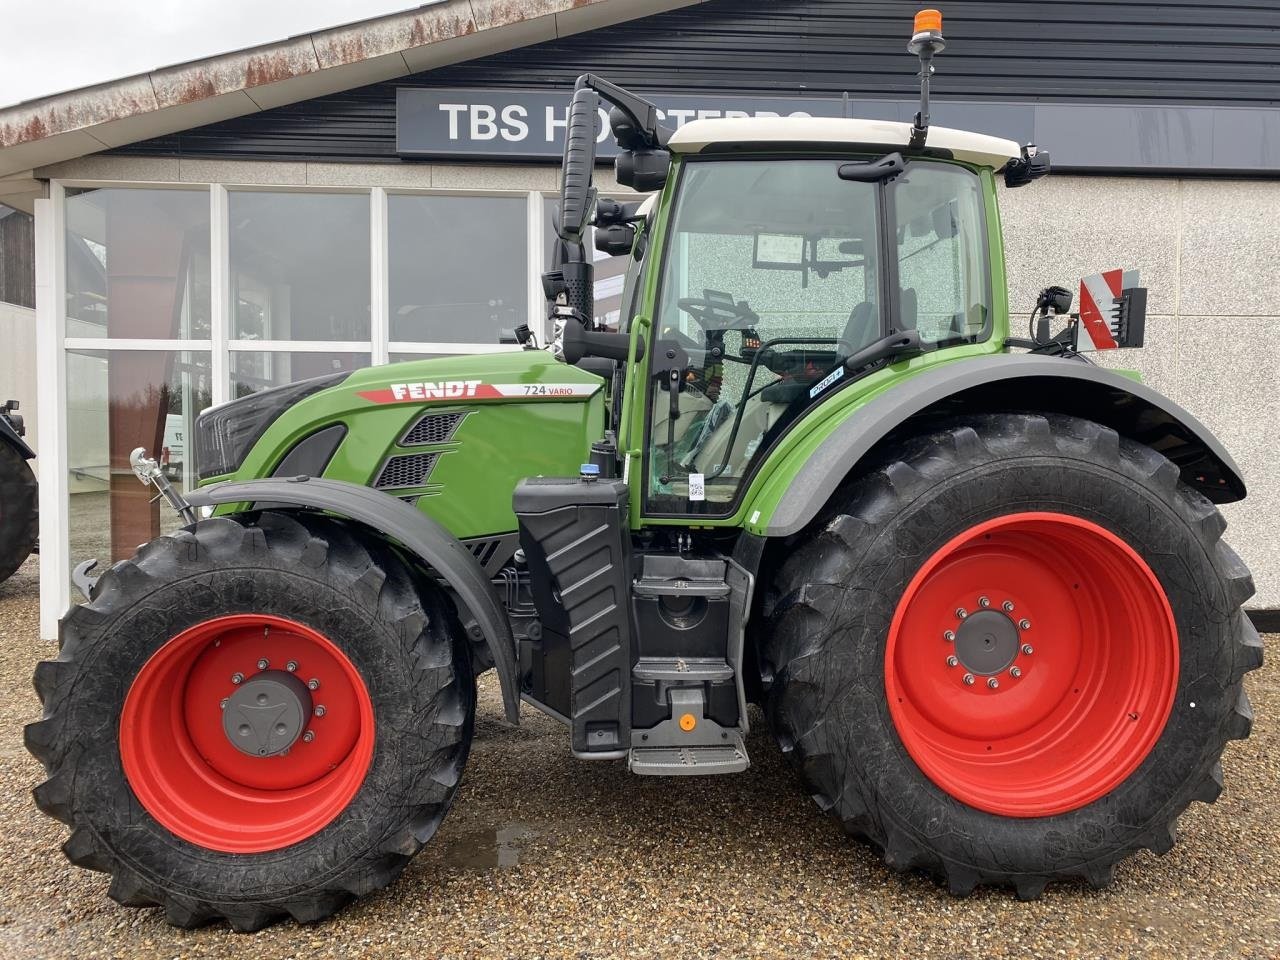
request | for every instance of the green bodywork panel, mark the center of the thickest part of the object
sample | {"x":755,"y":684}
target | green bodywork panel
{"x":498,"y":442}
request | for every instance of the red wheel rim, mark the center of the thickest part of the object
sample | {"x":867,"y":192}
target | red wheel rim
{"x":194,"y":781}
{"x":1085,"y":694}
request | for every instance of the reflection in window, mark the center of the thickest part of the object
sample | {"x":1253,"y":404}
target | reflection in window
{"x":252,"y":371}
{"x":610,"y":272}
{"x":458,"y":267}
{"x":137,"y":263}
{"x":17,"y":257}
{"x":118,"y":400}
{"x":299,"y":266}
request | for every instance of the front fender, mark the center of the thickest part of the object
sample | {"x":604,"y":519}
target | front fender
{"x":1005,"y":382}
{"x":422,"y":536}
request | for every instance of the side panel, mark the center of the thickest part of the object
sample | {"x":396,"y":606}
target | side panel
{"x":798,"y":490}
{"x":542,"y":423}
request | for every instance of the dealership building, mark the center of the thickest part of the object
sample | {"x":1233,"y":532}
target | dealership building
{"x":384,"y":190}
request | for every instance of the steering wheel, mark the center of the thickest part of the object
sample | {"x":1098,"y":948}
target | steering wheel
{"x":717,"y":314}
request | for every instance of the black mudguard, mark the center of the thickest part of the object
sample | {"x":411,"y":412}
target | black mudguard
{"x":1008,"y":382}
{"x":422,"y":536}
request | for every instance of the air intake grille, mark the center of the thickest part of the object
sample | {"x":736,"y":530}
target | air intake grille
{"x":406,"y":471}
{"x":433,"y":428}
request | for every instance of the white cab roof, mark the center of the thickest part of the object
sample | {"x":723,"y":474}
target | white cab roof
{"x":697,"y":135}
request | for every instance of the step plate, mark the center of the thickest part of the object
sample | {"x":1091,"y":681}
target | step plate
{"x":687,"y":761}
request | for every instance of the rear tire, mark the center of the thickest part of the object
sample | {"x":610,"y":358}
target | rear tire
{"x":132,"y":721}
{"x":19,"y":503}
{"x":840,"y":635}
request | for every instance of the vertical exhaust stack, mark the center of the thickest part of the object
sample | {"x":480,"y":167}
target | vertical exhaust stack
{"x":926,"y":42}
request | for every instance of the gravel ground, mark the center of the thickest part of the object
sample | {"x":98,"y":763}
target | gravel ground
{"x":544,"y":856}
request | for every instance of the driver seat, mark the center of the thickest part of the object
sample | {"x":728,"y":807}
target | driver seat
{"x":861,"y":327}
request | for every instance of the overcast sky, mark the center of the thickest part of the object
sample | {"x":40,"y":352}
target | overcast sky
{"x":48,"y":46}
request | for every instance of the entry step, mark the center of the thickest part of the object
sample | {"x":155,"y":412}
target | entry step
{"x":688,"y":761}
{"x":700,"y":669}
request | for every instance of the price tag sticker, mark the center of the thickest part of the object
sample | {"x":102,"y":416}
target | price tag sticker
{"x":697,"y":487}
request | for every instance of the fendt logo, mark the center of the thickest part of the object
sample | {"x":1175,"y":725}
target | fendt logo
{"x":444,"y":390}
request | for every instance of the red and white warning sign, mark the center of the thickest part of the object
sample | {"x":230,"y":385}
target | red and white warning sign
{"x":443,"y":391}
{"x":1099,"y":310}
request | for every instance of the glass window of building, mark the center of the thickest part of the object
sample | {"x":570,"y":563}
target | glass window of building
{"x":17,"y":257}
{"x":137,"y":263}
{"x":253,"y":370}
{"x":458,"y":267}
{"x":118,"y":400}
{"x":299,"y":266}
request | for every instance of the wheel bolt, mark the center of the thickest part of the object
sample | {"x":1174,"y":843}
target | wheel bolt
{"x":237,"y":678}
{"x":1007,"y":606}
{"x":264,"y":663}
{"x":291,"y":666}
{"x":308,"y":736}
{"x":968,"y":679}
{"x":949,"y":636}
{"x":1028,"y":649}
{"x":320,"y":710}
{"x":961,"y":613}
{"x":223,"y":704}
{"x":992,"y":682}
{"x":1024,"y":624}
{"x":951,"y":662}
{"x":313,"y":684}
{"x":984,"y":602}
{"x":1015,"y":672}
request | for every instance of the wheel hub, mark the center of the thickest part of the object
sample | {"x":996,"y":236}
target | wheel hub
{"x":986,"y":642}
{"x":267,"y":714}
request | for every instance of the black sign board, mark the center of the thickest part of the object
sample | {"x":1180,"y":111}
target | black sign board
{"x":529,"y":124}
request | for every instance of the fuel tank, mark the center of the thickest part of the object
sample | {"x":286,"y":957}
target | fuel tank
{"x":452,"y":435}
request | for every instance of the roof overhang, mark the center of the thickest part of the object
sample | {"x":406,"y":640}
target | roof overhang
{"x":68,"y":125}
{"x":698,"y":136}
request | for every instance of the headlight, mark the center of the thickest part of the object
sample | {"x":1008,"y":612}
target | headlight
{"x":225,"y":434}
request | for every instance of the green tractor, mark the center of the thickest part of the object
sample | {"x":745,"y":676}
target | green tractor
{"x":975,"y":582}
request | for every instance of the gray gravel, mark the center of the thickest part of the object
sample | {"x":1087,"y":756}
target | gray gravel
{"x":544,"y":856}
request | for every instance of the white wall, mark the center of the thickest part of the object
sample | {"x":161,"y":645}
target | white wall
{"x":1208,"y":251}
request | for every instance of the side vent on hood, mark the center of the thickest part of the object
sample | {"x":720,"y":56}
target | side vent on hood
{"x":432,"y":428}
{"x":410,"y":470}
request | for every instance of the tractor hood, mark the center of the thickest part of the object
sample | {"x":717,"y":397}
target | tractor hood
{"x":452,"y":435}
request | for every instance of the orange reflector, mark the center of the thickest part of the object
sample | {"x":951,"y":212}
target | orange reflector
{"x":928,"y":20}
{"x":687,"y":722}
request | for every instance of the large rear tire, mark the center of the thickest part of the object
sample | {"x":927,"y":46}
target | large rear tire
{"x":1011,"y":654}
{"x":19,"y":519}
{"x":253,"y":719}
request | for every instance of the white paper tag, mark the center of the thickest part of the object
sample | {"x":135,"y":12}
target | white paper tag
{"x":697,"y":487}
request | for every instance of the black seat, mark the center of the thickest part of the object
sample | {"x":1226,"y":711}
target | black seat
{"x":861,"y":327}
{"x":908,"y":308}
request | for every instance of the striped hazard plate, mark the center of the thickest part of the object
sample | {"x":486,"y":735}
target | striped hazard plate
{"x":1100,"y":308}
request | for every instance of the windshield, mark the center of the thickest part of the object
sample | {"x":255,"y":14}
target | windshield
{"x":772,"y":276}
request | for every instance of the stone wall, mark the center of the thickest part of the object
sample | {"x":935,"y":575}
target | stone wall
{"x":1208,"y":252}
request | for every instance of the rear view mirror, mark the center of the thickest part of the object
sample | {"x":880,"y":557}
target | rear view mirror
{"x":576,"y":193}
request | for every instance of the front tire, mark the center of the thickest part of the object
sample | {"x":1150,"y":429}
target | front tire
{"x":1011,"y":654}
{"x":253,"y":719}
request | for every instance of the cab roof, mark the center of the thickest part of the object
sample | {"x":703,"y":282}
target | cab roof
{"x":699,"y":136}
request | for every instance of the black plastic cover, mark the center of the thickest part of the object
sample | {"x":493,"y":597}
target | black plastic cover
{"x":576,"y":541}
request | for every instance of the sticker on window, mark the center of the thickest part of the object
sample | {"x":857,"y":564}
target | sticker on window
{"x":697,"y":487}
{"x":826,"y":381}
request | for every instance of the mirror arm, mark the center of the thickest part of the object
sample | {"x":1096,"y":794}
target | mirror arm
{"x":642,"y":113}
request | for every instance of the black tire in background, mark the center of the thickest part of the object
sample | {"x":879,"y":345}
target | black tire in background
{"x":834,"y":597}
{"x":401,"y":637}
{"x":19,"y":516}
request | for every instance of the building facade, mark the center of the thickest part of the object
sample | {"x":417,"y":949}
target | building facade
{"x":397,"y":203}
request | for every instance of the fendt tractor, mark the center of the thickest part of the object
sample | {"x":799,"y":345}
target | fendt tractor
{"x":975,"y":581}
{"x":19,"y":495}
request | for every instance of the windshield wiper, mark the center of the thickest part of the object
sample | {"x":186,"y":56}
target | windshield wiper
{"x":873,"y":171}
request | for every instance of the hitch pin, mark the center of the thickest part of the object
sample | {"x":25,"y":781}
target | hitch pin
{"x":148,"y":471}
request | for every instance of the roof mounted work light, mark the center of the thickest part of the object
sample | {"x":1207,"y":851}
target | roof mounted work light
{"x":926,"y":42}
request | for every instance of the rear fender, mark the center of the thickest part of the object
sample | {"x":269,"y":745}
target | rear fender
{"x":1010,"y":382}
{"x":422,"y":536}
